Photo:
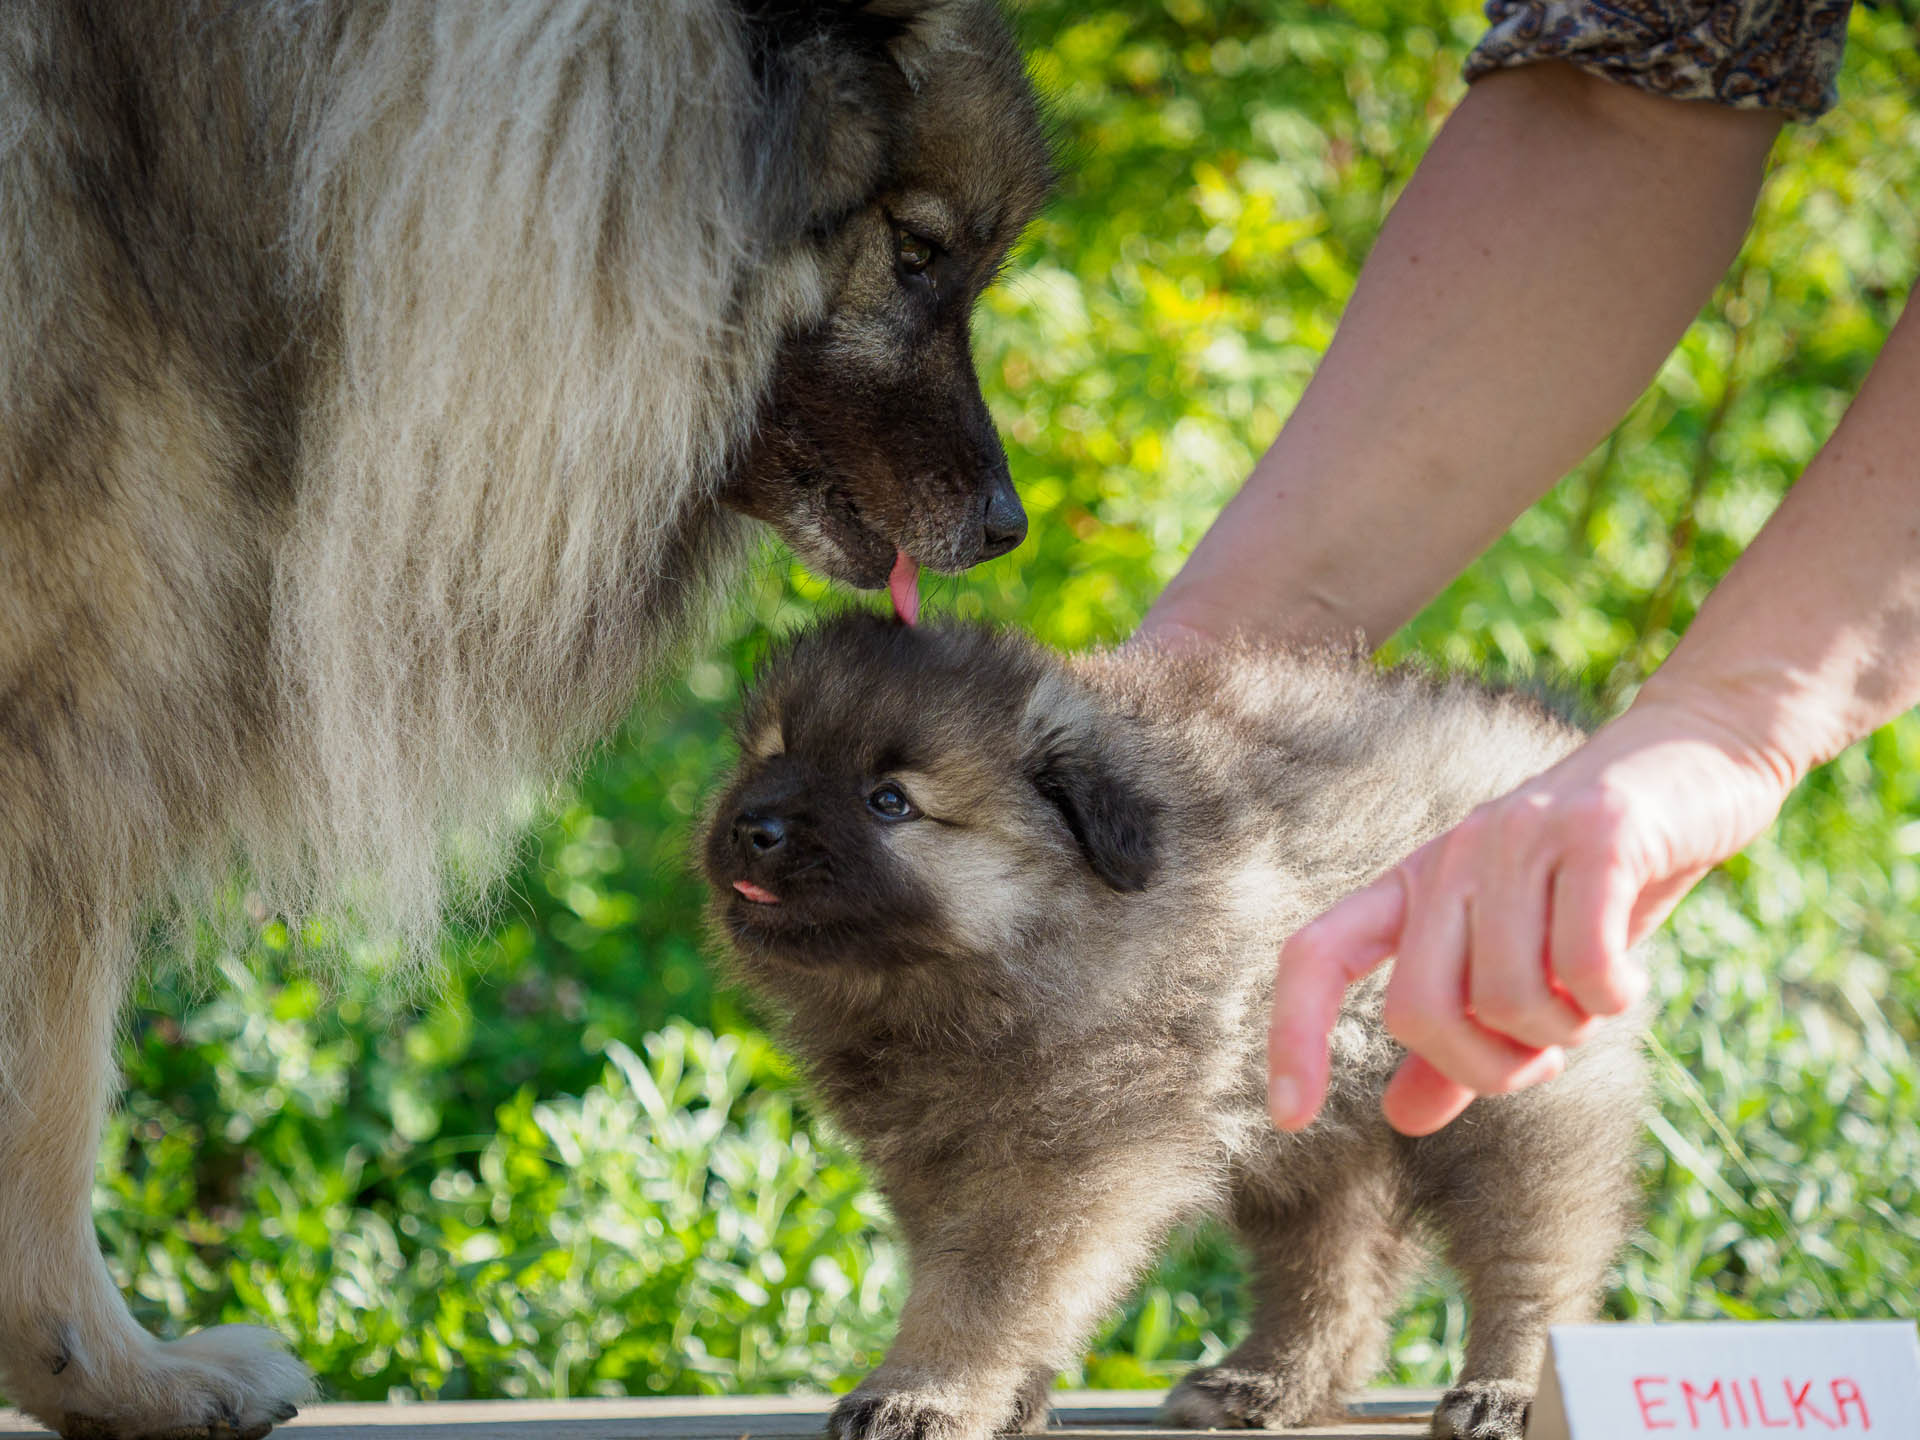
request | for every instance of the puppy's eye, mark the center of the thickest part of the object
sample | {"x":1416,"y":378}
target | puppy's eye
{"x":890,"y":802}
{"x":915,"y":252}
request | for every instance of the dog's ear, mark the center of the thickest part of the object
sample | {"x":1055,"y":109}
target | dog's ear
{"x":840,"y":103}
{"x":1076,"y":761}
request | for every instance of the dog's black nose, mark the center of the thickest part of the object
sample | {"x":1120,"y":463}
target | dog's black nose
{"x":1005,"y":523}
{"x":755,"y":835}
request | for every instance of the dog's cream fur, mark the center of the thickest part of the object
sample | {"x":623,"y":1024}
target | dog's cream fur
{"x":371,"y":373}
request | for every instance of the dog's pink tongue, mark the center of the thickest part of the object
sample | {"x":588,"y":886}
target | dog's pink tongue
{"x":754,"y":893}
{"x":904,"y":586}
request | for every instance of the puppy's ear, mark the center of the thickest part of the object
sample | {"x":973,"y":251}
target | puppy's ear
{"x":839,"y":103}
{"x":1078,"y":766}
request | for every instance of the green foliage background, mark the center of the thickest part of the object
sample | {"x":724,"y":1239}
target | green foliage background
{"x":580,"y":1170}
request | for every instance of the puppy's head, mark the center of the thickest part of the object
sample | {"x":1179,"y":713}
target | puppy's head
{"x":910,"y":796}
{"x":910,"y":155}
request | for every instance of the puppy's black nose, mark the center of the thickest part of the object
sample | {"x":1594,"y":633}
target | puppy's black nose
{"x":755,"y":835}
{"x":1004,"y":524}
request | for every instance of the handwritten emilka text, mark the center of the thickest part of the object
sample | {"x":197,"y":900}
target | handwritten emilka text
{"x":1749,"y":1404}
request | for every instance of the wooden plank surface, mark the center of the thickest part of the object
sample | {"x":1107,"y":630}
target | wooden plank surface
{"x":1080,"y":1415}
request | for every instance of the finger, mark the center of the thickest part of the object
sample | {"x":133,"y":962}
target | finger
{"x":1316,"y":967}
{"x":1419,"y":1099}
{"x":1593,"y":900}
{"x":1426,"y":1005}
{"x":1508,"y":984}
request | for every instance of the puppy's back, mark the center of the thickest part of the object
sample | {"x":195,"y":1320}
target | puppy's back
{"x":1333,"y":767}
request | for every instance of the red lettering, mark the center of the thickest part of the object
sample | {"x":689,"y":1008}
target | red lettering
{"x":1648,"y":1402}
{"x":1760,"y":1405}
{"x":1845,"y":1393}
{"x":1653,"y":1394}
{"x":1712,"y":1392}
{"x":1801,"y":1407}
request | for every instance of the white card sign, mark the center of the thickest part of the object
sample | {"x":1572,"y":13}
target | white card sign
{"x":1841,"y":1378}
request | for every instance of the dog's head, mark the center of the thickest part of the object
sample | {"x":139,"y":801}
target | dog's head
{"x":909,"y":156}
{"x":906,"y":795}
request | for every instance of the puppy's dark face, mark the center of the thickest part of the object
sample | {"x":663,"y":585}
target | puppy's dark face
{"x":875,"y":439}
{"x":907,"y":796}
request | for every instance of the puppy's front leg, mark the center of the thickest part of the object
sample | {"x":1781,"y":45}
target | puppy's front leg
{"x":1010,"y":1275}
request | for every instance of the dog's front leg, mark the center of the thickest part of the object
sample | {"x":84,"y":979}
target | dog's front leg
{"x":70,"y":1354}
{"x":1011,"y":1273}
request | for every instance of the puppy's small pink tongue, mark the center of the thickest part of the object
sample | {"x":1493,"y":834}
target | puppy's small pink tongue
{"x":754,"y":893}
{"x":903,"y":585}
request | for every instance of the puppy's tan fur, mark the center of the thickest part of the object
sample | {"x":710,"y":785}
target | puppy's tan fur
{"x":1039,"y":1008}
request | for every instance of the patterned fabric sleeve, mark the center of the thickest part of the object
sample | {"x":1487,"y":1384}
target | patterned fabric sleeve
{"x":1754,"y":54}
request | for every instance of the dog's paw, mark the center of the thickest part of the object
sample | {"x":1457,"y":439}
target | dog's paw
{"x":1227,"y":1397}
{"x":1032,"y":1408}
{"x":1483,"y":1410}
{"x":903,"y":1415}
{"x":233,"y":1382}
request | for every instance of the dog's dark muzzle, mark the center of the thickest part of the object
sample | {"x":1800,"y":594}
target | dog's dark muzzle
{"x":1004,"y":524}
{"x":757,"y":837}
{"x":767,"y":849}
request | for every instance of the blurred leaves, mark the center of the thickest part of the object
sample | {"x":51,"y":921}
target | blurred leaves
{"x":671,"y":1228}
{"x":541,"y":1184}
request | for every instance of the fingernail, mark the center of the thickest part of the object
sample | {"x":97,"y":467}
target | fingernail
{"x":1283,"y":1098}
{"x":1545,"y":1066}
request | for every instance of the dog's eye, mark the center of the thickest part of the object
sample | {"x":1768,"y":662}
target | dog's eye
{"x":890,"y":802}
{"x":915,"y":252}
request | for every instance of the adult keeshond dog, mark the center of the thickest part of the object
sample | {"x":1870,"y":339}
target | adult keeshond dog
{"x":382,"y":384}
{"x":1019,"y":916}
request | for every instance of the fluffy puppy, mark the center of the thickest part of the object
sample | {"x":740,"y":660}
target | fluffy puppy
{"x":1019,"y":913}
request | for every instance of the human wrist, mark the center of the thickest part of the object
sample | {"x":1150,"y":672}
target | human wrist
{"x":1217,"y":596}
{"x":1184,"y":614}
{"x":1173,"y":632}
{"x":1773,"y":720}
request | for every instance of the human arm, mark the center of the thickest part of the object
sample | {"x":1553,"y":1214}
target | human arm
{"x":1552,"y":247}
{"x":1811,"y":641}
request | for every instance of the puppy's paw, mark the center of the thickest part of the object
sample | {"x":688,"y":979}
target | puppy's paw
{"x":1032,"y":1408}
{"x":233,"y":1382}
{"x":901,"y":1415}
{"x":1483,"y":1410}
{"x":1229,"y":1397}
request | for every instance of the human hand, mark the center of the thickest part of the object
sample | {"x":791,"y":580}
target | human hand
{"x":1513,"y":930}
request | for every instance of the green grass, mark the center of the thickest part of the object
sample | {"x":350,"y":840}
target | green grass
{"x":555,"y":1180}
